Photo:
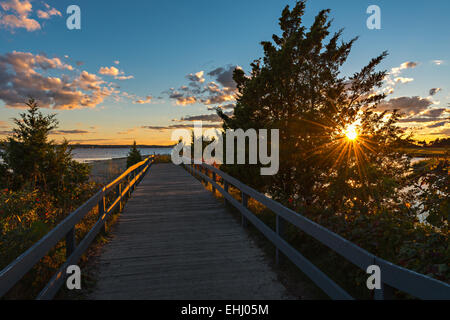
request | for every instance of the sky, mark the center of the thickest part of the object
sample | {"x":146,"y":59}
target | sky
{"x":137,"y":69}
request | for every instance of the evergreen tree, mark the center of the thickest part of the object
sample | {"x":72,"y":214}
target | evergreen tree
{"x":134,"y":156}
{"x":298,"y":88}
{"x":33,"y":161}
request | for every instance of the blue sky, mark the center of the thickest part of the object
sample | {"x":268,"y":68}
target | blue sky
{"x":159,"y":43}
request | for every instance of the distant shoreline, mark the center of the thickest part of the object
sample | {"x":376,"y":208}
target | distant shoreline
{"x":116,"y":146}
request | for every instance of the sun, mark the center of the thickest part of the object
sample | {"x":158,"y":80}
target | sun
{"x":351,"y":132}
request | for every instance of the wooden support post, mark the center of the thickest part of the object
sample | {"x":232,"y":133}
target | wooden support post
{"x":214,"y":179}
{"x":128,"y":184}
{"x":101,"y":212}
{"x":225,"y":187}
{"x":245,"y":204}
{"x":385,"y":293}
{"x":119,"y":194}
{"x":280,"y":225}
{"x":71,"y":242}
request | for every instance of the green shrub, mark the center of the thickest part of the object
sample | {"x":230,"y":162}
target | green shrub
{"x":134,"y":156}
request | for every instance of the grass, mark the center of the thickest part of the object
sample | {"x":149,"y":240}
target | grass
{"x":163,"y":158}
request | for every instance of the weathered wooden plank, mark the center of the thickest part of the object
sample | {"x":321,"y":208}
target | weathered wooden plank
{"x":324,"y":282}
{"x":175,"y":241}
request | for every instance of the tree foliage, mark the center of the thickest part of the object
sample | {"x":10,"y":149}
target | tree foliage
{"x":134,"y":156}
{"x":33,"y":161}
{"x":432,"y":179}
{"x":40,"y":184}
{"x":298,"y":88}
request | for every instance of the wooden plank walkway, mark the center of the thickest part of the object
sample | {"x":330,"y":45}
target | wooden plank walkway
{"x":174,"y":240}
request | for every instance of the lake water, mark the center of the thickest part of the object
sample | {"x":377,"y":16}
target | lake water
{"x":91,"y":154}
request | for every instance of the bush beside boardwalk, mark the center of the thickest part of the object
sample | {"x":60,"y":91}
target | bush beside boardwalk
{"x":40,"y":185}
{"x":25,"y":217}
{"x":407,"y":243}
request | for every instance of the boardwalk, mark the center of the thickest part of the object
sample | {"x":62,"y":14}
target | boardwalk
{"x":175,"y":241}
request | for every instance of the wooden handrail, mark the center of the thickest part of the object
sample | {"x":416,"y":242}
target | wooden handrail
{"x":12,"y":274}
{"x":392,"y":276}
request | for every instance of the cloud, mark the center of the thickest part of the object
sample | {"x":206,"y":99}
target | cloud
{"x":114,"y":72}
{"x":123,"y":77}
{"x":13,"y":22}
{"x":127,"y":131}
{"x":48,"y":13}
{"x":407,"y":105}
{"x":433,"y":91}
{"x":444,"y":132}
{"x":438,"y":62}
{"x":4,"y":125}
{"x":24,"y":75}
{"x":109,"y":71}
{"x":180,"y":126}
{"x":17,"y":15}
{"x":436,"y":112}
{"x":181,"y":99}
{"x":148,"y":99}
{"x":224,"y":76}
{"x":221,"y":97}
{"x":20,"y":7}
{"x":403,"y":80}
{"x":66,"y":132}
{"x":117,"y":62}
{"x":438,"y":124}
{"x":435,"y":115}
{"x":403,"y":66}
{"x":91,"y":140}
{"x":221,"y":88}
{"x":229,"y":106}
{"x":196,"y":77}
{"x":392,"y":78}
{"x":203,"y":117}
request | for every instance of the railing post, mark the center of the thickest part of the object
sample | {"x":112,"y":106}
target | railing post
{"x":128,"y":184}
{"x":119,"y":193}
{"x":101,"y":212}
{"x":71,"y":242}
{"x":214,"y":179}
{"x":280,"y":225}
{"x":225,"y":187}
{"x":245,"y":204}
{"x":385,"y":293}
